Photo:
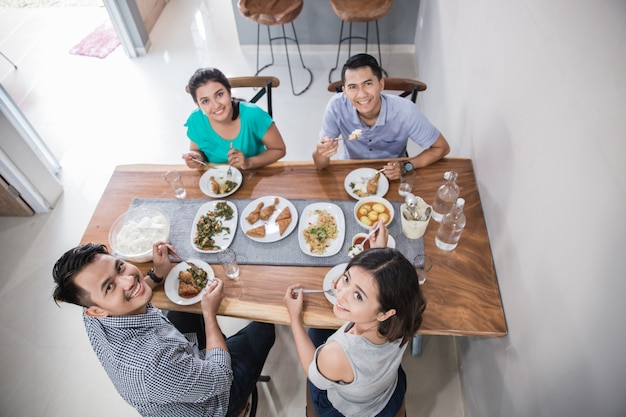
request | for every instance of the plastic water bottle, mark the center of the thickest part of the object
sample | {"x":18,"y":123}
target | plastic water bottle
{"x":452,"y":224}
{"x":446,"y":196}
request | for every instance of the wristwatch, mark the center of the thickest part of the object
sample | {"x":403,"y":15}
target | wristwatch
{"x":408,"y":166}
{"x":153,"y":276}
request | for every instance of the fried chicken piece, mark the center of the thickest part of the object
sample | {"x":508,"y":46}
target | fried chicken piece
{"x":372,"y":184}
{"x":267,"y":211}
{"x":186,"y":286}
{"x":255,"y":214}
{"x":215,"y":186}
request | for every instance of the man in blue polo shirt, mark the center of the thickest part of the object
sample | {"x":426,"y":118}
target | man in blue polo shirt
{"x":383,"y":123}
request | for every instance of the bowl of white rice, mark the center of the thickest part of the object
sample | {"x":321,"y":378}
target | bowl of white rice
{"x":133,"y":233}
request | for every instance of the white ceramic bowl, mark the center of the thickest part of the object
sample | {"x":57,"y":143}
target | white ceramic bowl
{"x":367,"y":211}
{"x":133,"y":233}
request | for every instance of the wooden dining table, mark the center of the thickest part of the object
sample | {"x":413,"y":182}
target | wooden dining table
{"x":462,"y":292}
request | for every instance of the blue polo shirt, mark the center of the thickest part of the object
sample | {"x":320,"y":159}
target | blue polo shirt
{"x":399,"y":120}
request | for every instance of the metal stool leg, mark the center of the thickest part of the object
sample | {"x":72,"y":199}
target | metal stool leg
{"x":269,"y":37}
{"x":295,"y":38}
{"x":349,"y":39}
{"x":285,"y":38}
{"x":7,"y":58}
{"x":416,"y":346}
{"x":330,"y":74}
{"x":380,"y":57}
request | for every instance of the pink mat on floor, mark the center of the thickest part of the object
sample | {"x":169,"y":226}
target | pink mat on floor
{"x":99,"y":43}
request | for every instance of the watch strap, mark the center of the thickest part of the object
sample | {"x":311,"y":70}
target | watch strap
{"x":153,"y":276}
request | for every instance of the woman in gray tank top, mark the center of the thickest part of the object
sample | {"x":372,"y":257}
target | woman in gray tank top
{"x":356,"y":372}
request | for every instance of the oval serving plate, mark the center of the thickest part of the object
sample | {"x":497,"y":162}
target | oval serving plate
{"x":309,"y":217}
{"x":272,"y":231}
{"x":357,"y":180}
{"x":171,"y":282}
{"x":330,"y":280}
{"x":224,"y":239}
{"x":219,"y":174}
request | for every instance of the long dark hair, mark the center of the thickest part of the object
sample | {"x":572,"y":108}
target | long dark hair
{"x":205,"y":75}
{"x":398,"y":288}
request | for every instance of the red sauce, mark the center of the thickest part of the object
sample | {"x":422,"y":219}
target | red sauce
{"x":359,"y":239}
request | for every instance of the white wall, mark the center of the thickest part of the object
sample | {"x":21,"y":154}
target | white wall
{"x":535,"y":93}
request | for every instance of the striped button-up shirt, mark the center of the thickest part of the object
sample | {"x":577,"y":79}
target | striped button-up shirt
{"x":157,"y":370}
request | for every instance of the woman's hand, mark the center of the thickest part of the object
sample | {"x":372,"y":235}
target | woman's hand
{"x":237,"y":159}
{"x":294,"y":302}
{"x":380,"y":238}
{"x":189,"y":160}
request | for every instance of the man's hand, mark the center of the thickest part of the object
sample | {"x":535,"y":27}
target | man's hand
{"x":161,"y":259}
{"x":212,"y":298}
{"x":325,"y":148}
{"x":393,"y":170}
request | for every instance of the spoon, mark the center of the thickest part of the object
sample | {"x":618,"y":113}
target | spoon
{"x":200,"y":162}
{"x":426,"y":215}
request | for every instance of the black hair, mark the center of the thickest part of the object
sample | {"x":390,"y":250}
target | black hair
{"x":68,"y":266}
{"x":360,"y":61}
{"x":398,"y":288}
{"x":205,"y":75}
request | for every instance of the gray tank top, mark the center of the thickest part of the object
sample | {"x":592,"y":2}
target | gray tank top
{"x":375,"y":370}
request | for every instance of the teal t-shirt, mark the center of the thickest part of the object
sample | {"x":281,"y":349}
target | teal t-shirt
{"x":254,"y":123}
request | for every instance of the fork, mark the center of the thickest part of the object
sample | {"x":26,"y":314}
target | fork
{"x":229,"y":173}
{"x":330,"y":291}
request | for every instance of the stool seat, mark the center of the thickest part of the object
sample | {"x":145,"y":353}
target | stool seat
{"x":360,"y":11}
{"x":275,"y":13}
{"x":270,"y":13}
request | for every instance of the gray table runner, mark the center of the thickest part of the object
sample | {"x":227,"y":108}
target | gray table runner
{"x":283,"y":252}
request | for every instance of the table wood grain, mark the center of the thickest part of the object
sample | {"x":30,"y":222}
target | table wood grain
{"x":461,"y":290}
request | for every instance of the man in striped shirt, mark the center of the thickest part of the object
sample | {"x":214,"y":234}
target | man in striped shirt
{"x":153,"y":366}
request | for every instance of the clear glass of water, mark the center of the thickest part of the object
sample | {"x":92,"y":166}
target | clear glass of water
{"x":228,"y":259}
{"x":406,"y":183}
{"x":175,"y":181}
{"x":422,"y":264}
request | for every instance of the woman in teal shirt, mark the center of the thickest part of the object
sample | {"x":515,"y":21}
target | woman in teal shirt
{"x":224,"y":129}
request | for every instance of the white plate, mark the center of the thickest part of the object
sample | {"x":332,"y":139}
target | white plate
{"x":271,"y":227}
{"x":308,"y":217}
{"x":219,"y":173}
{"x":222,"y":240}
{"x":359,"y":178}
{"x":330,"y":280}
{"x":171,"y":282}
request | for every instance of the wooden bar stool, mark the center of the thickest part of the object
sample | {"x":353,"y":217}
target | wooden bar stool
{"x":274,"y":13}
{"x":358,"y":11}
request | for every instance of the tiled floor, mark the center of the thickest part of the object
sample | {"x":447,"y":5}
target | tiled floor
{"x":95,"y":114}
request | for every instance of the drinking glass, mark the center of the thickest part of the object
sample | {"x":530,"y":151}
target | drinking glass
{"x":422,"y":264}
{"x":406,"y":183}
{"x":175,"y":181}
{"x":228,"y":259}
